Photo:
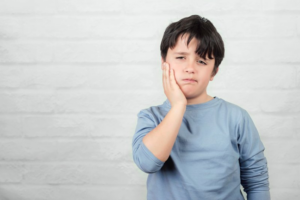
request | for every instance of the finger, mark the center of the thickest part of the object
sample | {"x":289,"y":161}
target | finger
{"x":172,"y":78}
{"x":168,"y":75}
{"x":171,"y":74}
{"x":164,"y":77}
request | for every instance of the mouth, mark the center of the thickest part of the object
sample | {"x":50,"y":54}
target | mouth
{"x":189,"y":80}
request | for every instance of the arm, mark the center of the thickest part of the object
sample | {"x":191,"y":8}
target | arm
{"x":253,"y":164}
{"x":160,"y":140}
{"x":152,"y":144}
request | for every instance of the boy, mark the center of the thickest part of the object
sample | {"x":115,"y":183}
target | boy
{"x":195,"y":146}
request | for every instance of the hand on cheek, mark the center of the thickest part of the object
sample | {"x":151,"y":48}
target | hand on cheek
{"x":171,"y":88}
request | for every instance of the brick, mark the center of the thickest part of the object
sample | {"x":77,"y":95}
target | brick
{"x":278,"y":127}
{"x":11,"y":173}
{"x":247,"y":77}
{"x":265,"y":51}
{"x":282,"y":151}
{"x":10,"y":126}
{"x":73,"y":126}
{"x":74,"y":192}
{"x":66,"y":150}
{"x":62,"y":52}
{"x":56,"y":126}
{"x":284,"y":176}
{"x":179,"y":7}
{"x":279,"y":194}
{"x":111,"y":126}
{"x":108,"y":51}
{"x":89,"y":6}
{"x":263,"y":25}
{"x":62,"y":6}
{"x":81,"y":77}
{"x":283,"y":101}
{"x":33,"y":102}
{"x":67,"y":102}
{"x":83,"y":27}
{"x":28,"y":7}
{"x":11,"y":77}
{"x":105,"y":102}
{"x":65,"y":174}
{"x":297,"y":19}
{"x":19,"y":52}
{"x":270,"y":5}
{"x":298,"y":78}
{"x":43,"y":77}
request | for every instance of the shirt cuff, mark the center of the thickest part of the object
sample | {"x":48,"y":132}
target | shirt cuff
{"x":158,"y":163}
{"x":263,"y":195}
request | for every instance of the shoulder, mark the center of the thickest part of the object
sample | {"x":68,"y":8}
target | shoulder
{"x":153,"y":111}
{"x":232,"y":106}
{"x":235,"y":110}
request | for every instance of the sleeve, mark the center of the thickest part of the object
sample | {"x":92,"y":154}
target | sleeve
{"x":142,"y":156}
{"x":253,"y":164}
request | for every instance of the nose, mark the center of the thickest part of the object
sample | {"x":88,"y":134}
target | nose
{"x":190,"y":67}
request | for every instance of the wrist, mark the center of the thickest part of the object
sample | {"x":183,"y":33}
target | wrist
{"x":179,"y":106}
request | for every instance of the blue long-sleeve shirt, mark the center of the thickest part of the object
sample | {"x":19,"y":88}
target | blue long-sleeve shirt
{"x":217,"y":148}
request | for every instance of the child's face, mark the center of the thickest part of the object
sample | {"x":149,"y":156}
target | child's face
{"x":188,"y":65}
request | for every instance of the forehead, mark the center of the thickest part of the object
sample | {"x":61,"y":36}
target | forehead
{"x":181,"y":47}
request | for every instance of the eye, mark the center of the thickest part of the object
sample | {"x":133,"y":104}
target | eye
{"x":200,"y":61}
{"x":180,"y":58}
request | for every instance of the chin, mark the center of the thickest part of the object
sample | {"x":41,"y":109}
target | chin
{"x":189,"y":94}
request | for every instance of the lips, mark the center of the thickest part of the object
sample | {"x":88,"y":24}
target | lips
{"x":189,"y":80}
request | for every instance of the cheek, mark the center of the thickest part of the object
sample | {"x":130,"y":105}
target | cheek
{"x":176,"y":74}
{"x":174,"y":65}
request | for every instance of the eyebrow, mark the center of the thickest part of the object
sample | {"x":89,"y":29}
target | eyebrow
{"x":186,"y":53}
{"x":182,"y":53}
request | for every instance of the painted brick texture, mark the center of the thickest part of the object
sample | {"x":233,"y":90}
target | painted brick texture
{"x":74,"y":75}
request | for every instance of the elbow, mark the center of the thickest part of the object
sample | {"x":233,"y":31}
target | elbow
{"x":145,"y":161}
{"x":147,"y":167}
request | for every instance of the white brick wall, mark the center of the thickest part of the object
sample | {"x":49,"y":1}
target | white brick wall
{"x":74,"y":74}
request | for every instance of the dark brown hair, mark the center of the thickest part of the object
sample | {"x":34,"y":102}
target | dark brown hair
{"x":210,"y":42}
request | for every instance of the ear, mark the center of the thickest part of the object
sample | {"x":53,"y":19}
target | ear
{"x":212,"y":77}
{"x":162,"y":61}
